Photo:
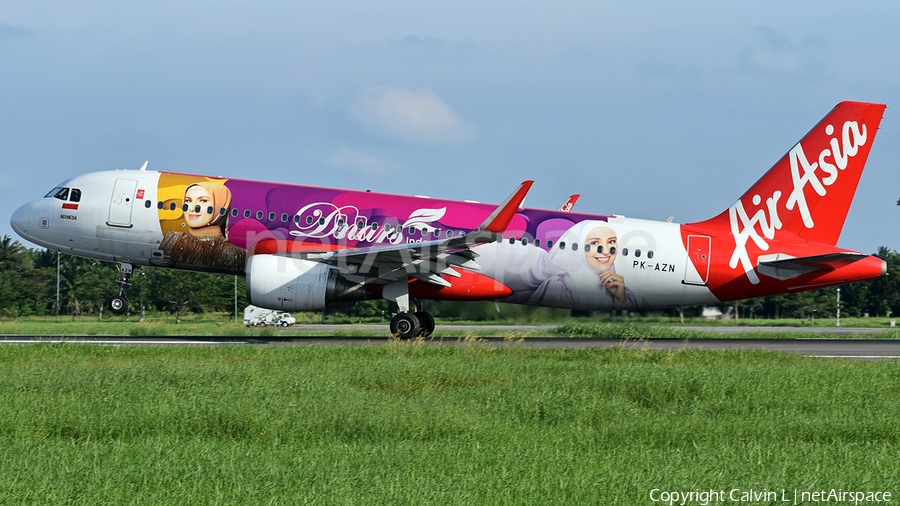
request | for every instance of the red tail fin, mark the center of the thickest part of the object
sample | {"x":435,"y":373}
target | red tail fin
{"x":809,"y":191}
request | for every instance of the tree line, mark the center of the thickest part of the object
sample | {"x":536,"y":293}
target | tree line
{"x":28,"y":286}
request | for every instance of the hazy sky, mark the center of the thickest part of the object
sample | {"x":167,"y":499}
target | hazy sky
{"x":648,"y":109}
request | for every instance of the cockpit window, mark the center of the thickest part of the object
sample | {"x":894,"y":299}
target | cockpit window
{"x":62,"y":194}
{"x":52,"y":192}
{"x":75,"y":196}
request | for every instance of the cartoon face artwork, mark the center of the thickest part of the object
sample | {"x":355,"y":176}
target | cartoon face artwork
{"x":601,"y":248}
{"x":193,"y":216}
{"x":205,"y":207}
{"x":585,"y":276}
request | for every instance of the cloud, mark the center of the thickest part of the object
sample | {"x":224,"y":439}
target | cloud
{"x":414,"y":41}
{"x":775,"y":55}
{"x":657,"y":69}
{"x":413,"y":117}
{"x":352,"y":160}
{"x":8,"y":32}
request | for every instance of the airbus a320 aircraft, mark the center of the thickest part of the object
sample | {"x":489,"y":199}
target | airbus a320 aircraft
{"x":303,"y":248}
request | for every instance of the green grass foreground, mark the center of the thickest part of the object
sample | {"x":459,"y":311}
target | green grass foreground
{"x":637,"y":328}
{"x":406,"y":423}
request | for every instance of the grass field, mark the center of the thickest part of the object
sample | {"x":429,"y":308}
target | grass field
{"x":404,"y":423}
{"x":632,"y":328}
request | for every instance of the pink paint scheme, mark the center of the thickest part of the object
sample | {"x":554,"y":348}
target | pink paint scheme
{"x":306,"y":248}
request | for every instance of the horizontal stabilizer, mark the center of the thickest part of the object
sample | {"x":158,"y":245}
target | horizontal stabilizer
{"x":781,"y":266}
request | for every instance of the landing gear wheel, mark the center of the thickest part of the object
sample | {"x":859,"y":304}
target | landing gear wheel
{"x":118,"y":304}
{"x":427,"y":322}
{"x":405,"y":325}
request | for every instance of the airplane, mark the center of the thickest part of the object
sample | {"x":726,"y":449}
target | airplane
{"x":305,"y":248}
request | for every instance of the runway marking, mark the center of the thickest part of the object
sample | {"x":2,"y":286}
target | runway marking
{"x":896,"y":357}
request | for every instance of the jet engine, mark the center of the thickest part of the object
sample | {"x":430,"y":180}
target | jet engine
{"x":294,"y":284}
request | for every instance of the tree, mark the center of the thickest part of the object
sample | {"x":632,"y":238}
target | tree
{"x":17,"y":286}
{"x":179,"y":291}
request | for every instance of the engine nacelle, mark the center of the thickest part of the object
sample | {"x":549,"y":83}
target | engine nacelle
{"x":293,"y":284}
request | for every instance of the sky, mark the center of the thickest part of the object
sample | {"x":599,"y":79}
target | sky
{"x":647,"y":109}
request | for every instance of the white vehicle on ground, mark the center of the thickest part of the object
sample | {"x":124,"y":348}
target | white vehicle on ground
{"x":254,"y":316}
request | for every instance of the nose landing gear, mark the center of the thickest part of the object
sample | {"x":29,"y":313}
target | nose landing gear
{"x":119,"y":304}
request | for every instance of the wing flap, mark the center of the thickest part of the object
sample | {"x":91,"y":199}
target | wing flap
{"x":426,"y":261}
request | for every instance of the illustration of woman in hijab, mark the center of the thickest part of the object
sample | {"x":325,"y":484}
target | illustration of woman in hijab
{"x":203,"y":243}
{"x":202,"y":202}
{"x":587,"y":277}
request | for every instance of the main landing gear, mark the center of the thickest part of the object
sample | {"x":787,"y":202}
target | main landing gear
{"x":119,"y":304}
{"x":406,"y":324}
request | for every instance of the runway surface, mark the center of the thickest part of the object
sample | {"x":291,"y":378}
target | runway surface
{"x":860,"y":348}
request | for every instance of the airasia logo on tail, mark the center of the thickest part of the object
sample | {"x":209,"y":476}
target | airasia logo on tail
{"x":763,"y":225}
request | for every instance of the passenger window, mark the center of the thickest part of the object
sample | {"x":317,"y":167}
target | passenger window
{"x":223,"y":211}
{"x":437,"y":232}
{"x":340,"y":222}
{"x":309,"y":220}
{"x":271,"y":216}
{"x":246,"y":213}
{"x":625,"y":251}
{"x":637,"y":253}
{"x":537,"y":242}
{"x":412,"y":230}
{"x":297,"y":219}
{"x":649,"y":254}
{"x":461,"y":234}
{"x":159,"y":205}
{"x":449,"y":234}
{"x":75,"y":196}
{"x":184,"y":208}
{"x":374,"y":225}
{"x":562,"y":245}
{"x":574,"y":246}
{"x":360,"y":224}
{"x":321,"y":221}
{"x":283,"y":217}
{"x":524,"y":241}
{"x":172,"y":206}
{"x":209,"y":209}
{"x":259,"y":215}
{"x":549,"y":244}
{"x":147,"y":204}
{"x":512,"y":240}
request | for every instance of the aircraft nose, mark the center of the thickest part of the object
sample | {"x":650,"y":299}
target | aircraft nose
{"x":19,"y":220}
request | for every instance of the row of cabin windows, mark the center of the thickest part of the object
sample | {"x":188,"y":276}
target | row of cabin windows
{"x":309,"y":219}
{"x":362,"y":223}
{"x":587,"y":247}
{"x":185,"y":208}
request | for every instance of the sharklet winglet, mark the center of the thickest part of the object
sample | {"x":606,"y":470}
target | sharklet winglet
{"x":500,"y":218}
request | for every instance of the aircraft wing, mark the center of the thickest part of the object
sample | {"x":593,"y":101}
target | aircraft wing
{"x":781,"y":266}
{"x":425,"y":261}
